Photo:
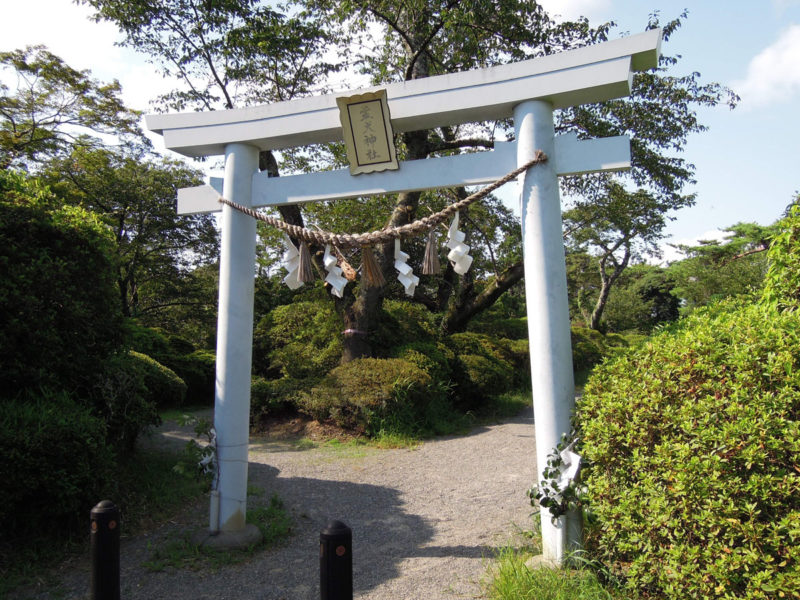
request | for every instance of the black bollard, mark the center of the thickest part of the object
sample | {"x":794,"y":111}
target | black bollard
{"x":105,"y":524}
{"x":336,"y":562}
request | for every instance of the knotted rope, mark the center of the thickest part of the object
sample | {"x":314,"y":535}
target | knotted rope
{"x":382,"y":236}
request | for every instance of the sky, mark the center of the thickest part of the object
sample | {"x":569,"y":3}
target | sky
{"x":747,"y":165}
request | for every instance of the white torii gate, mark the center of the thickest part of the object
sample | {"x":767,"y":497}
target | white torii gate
{"x":528,"y":91}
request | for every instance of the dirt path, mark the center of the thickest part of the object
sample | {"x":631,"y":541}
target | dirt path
{"x":425,"y":521}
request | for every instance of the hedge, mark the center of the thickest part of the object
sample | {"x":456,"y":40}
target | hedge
{"x":484,"y":367}
{"x":693,"y":445}
{"x":59,"y":308}
{"x":297,"y":340}
{"x":55,"y":463}
{"x":164,"y":388}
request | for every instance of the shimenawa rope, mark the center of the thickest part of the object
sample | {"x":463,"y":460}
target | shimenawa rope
{"x":382,"y":236}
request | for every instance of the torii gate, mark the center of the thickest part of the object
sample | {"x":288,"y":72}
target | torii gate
{"x":528,"y":91}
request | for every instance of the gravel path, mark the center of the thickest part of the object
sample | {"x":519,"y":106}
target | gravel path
{"x":425,"y":521}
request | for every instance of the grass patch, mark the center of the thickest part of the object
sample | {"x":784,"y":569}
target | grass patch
{"x":512,"y":580}
{"x":508,"y":578}
{"x":182,"y":552}
{"x":505,"y":406}
{"x":181,"y":415}
{"x":274,"y":522}
{"x":146,"y":491}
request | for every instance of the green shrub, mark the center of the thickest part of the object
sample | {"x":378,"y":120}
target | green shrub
{"x":59,"y":308}
{"x":180,"y":345}
{"x":198,"y":371}
{"x":432,"y":357}
{"x":782,"y":283}
{"x":197,"y":368}
{"x":509,"y":328}
{"x":363,"y":393}
{"x":483,"y":376}
{"x":164,"y":388}
{"x":590,"y":347}
{"x":298,"y":340}
{"x":519,"y":351}
{"x":693,"y":444}
{"x":122,"y":399}
{"x":484,"y":367}
{"x":400,"y":323}
{"x":269,"y":397}
{"x":151,"y":341}
{"x":587,"y":348}
{"x":55,"y":463}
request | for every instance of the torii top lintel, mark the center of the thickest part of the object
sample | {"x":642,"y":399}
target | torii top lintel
{"x":589,"y":74}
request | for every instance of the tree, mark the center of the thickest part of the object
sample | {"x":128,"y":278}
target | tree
{"x":642,"y":300}
{"x":225,"y":54}
{"x":54,"y":107}
{"x":716,"y":269}
{"x":622,"y":217}
{"x":618,"y":225}
{"x":423,"y":38}
{"x":418,"y":39}
{"x":133,"y":192}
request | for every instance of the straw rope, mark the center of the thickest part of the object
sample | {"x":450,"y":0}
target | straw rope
{"x":382,"y":236}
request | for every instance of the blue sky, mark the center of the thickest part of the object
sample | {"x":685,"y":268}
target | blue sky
{"x":747,"y":164}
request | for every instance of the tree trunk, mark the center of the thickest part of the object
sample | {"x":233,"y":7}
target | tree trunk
{"x":122,"y":286}
{"x":289,"y":212}
{"x":359,"y":313}
{"x":607,"y":281}
{"x":600,"y":305}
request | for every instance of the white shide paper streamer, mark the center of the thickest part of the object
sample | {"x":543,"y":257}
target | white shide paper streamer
{"x":405,"y":273}
{"x":459,"y":252}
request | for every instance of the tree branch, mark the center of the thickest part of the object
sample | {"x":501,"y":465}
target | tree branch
{"x":457,"y":320}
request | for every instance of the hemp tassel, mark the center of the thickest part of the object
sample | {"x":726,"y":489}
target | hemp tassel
{"x":370,"y":269}
{"x":305,"y":272}
{"x":431,"y":264}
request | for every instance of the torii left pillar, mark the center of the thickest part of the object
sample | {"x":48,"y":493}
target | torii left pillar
{"x":234,"y":353}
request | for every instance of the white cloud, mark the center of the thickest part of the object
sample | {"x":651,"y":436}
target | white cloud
{"x":773,"y":75}
{"x":570,"y":9}
{"x":64,"y":28}
{"x":67,"y":31}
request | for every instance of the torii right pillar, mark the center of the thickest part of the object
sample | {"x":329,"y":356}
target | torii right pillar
{"x":553,"y":384}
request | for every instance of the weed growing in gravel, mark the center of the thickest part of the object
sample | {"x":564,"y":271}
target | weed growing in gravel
{"x":512,"y":580}
{"x":182,"y":552}
{"x":509,"y":578}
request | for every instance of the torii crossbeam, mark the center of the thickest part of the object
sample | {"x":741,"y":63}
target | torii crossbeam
{"x":528,"y":92}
